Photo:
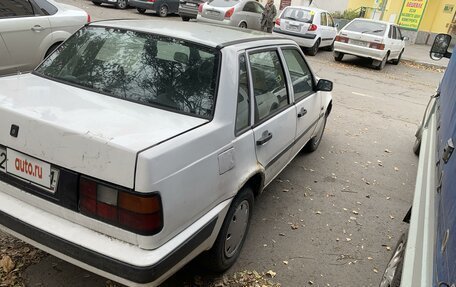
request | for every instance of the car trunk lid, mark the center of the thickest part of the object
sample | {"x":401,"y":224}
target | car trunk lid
{"x":87,"y":132}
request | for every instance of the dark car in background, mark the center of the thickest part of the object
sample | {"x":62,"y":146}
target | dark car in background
{"x":188,"y":9}
{"x":121,"y":4}
{"x":161,"y":7}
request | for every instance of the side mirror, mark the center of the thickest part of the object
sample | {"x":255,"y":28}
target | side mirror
{"x":324,"y":85}
{"x":440,"y":47}
{"x":405,"y":38}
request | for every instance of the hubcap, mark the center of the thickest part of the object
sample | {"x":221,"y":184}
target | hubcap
{"x":122,"y":3}
{"x":163,"y":11}
{"x":392,"y":266}
{"x":236,"y":229}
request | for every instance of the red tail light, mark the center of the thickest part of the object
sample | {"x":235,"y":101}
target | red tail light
{"x":200,"y":8}
{"x":138,"y":213}
{"x":312,"y":27}
{"x":229,"y":13}
{"x":342,"y":39}
{"x":377,"y":46}
{"x":89,"y":19}
{"x":277,"y":21}
{"x":152,"y":1}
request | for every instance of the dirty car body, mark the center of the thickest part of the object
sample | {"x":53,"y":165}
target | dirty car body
{"x":133,"y":175}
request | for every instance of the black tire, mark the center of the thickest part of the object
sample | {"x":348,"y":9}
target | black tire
{"x":338,"y":56}
{"x":141,"y":10}
{"x":163,"y":11}
{"x":243,"y":25}
{"x":218,"y":259}
{"x":398,"y":60}
{"x":382,"y":64}
{"x":417,"y":146}
{"x":96,"y":3}
{"x":314,"y":49}
{"x":330,"y":48}
{"x":313,"y":143}
{"x":51,"y":49}
{"x":185,"y":19}
{"x":122,"y":4}
{"x":393,"y":277}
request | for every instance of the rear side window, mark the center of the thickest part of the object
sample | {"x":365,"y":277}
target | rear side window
{"x":367,"y":27}
{"x":249,"y":7}
{"x":144,"y":68}
{"x":298,"y":14}
{"x":15,"y":8}
{"x":300,"y":74}
{"x":223,"y":3}
{"x":330,"y":21}
{"x":398,"y":33}
{"x":323,"y":20}
{"x":46,"y":7}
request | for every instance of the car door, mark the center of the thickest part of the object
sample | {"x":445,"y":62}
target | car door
{"x":308,"y":103}
{"x":332,"y":30}
{"x":173,"y":5}
{"x":389,"y":42}
{"x":274,"y":115}
{"x":246,"y":15}
{"x":6,"y":65}
{"x":23,"y":29}
{"x":257,"y":17}
{"x":324,"y":29}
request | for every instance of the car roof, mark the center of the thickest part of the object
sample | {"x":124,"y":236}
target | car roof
{"x":205,"y":34}
{"x":376,"y":21}
{"x":307,"y":8}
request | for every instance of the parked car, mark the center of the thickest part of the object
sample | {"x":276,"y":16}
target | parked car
{"x":188,"y":9}
{"x":162,"y":7}
{"x":237,"y":13}
{"x":121,"y":4}
{"x":31,"y":29}
{"x":152,"y":152}
{"x":376,"y":40}
{"x":311,"y":28}
{"x":424,"y":256}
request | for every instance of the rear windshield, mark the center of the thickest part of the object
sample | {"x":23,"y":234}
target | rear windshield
{"x":223,"y":3}
{"x":366,"y":27}
{"x":144,"y":68}
{"x":298,"y":14}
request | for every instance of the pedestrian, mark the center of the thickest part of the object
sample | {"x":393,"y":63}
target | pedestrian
{"x":267,"y":17}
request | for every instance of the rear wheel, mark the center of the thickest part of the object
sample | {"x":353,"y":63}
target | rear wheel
{"x":51,"y":49}
{"x":122,"y":4}
{"x":338,"y":56}
{"x":392,"y":275}
{"x":141,"y":10}
{"x":96,"y":3}
{"x":233,"y":233}
{"x":163,"y":11}
{"x":185,"y":19}
{"x":243,"y":25}
{"x":381,"y":64}
{"x":314,"y":49}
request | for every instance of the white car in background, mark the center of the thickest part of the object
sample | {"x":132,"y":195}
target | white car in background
{"x":376,"y":40}
{"x":311,"y":28}
{"x":31,"y":29}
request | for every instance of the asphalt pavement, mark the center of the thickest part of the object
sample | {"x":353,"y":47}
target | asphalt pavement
{"x":332,"y":217}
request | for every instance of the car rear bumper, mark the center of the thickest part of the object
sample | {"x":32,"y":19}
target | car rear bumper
{"x":117,"y":260}
{"x":142,"y":4}
{"x":207,"y":20}
{"x":190,"y":12}
{"x":106,"y":1}
{"x":303,"y":40}
{"x":359,"y":51}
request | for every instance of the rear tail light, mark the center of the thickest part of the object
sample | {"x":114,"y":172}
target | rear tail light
{"x":89,"y":19}
{"x":138,"y":213}
{"x":152,"y":1}
{"x":229,"y":13}
{"x":200,"y":8}
{"x":377,"y":46}
{"x":277,"y":21}
{"x":342,"y":39}
{"x":312,"y":27}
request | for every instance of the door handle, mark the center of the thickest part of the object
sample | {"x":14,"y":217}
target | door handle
{"x":302,"y":113}
{"x":37,"y":28}
{"x":265,"y":137}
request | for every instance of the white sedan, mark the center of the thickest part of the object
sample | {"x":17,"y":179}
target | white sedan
{"x":376,"y":40}
{"x":31,"y":29}
{"x":133,"y":148}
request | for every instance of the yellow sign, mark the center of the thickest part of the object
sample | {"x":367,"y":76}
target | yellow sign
{"x":411,"y":14}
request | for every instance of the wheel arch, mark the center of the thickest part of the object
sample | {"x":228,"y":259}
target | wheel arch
{"x":255,"y":181}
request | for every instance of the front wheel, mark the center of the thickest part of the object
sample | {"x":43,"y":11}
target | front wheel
{"x":396,"y":62}
{"x":122,"y":4}
{"x":233,"y":233}
{"x":141,"y":10}
{"x":163,"y":11}
{"x":314,"y":142}
{"x":417,"y":146}
{"x":392,"y":275}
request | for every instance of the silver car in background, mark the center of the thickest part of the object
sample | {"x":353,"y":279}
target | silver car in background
{"x":238,"y":13}
{"x":31,"y":29}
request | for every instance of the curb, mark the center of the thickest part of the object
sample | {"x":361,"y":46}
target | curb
{"x":426,"y":64}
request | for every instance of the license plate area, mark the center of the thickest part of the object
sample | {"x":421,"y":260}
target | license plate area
{"x":293,"y":28}
{"x":190,"y":4}
{"x":358,"y":43}
{"x":29,"y":169}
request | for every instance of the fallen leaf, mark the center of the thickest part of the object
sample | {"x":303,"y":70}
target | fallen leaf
{"x":352,"y":218}
{"x":388,"y":198}
{"x":318,"y":212}
{"x":285,"y":262}
{"x":294,"y":226}
{"x":355,"y":212}
{"x":348,"y":239}
{"x":369,"y":258}
{"x":392,"y":217}
{"x":311,"y":282}
{"x":285,"y":190}
{"x":7,"y":264}
{"x":388,"y":248}
{"x":271,"y":273}
{"x":396,"y":168}
{"x":387,"y":150}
